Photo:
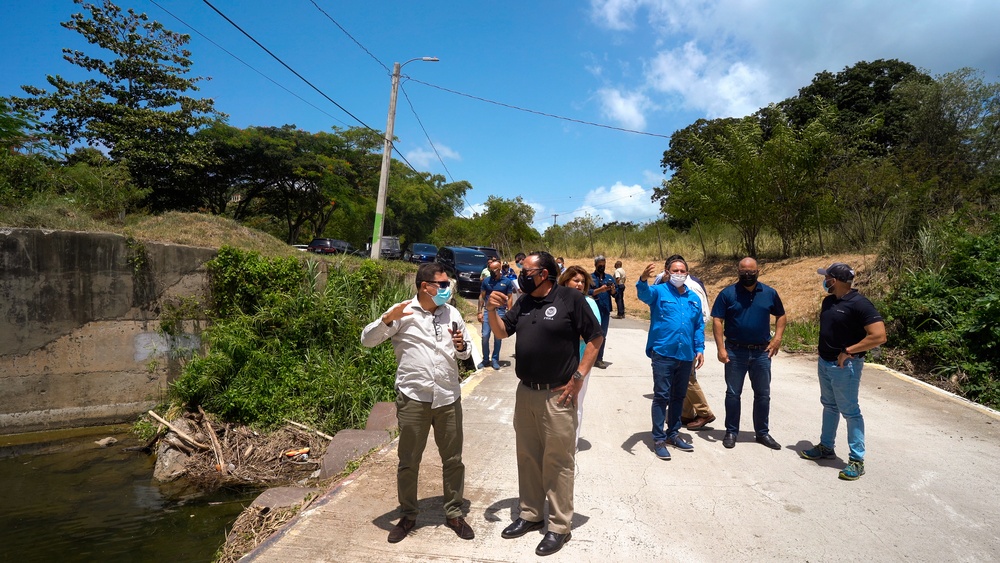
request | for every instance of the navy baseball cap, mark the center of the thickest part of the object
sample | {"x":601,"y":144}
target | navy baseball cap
{"x":838,"y":271}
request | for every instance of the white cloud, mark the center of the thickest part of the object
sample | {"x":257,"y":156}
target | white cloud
{"x":424,"y":157}
{"x":619,"y":202}
{"x":731,"y":57}
{"x":614,"y":14}
{"x":626,"y":108}
{"x":709,"y":83}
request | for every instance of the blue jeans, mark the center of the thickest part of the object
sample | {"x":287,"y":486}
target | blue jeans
{"x":605,"y":323}
{"x":501,"y":311}
{"x":670,"y":382}
{"x":620,"y":299}
{"x":756,"y":362}
{"x":838,"y":391}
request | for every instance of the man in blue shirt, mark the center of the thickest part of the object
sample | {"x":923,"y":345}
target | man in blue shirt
{"x":742,"y":312}
{"x":491,"y":283}
{"x":602,"y":287}
{"x":676,"y":340}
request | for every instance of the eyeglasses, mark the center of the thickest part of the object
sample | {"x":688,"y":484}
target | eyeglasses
{"x":437,"y":331}
{"x":442,"y":284}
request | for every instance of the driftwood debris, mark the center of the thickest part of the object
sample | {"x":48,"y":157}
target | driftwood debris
{"x":180,"y":433}
{"x":215,"y":442}
{"x":313,"y":430}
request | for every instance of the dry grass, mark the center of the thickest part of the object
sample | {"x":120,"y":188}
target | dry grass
{"x":210,"y":231}
{"x":795,"y":279}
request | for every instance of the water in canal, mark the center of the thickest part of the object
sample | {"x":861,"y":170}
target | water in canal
{"x":67,"y":499}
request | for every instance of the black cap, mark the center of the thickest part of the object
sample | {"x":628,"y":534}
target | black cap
{"x":838,"y":271}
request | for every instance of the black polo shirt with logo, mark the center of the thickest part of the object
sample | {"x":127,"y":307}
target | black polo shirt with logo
{"x":548,"y":331}
{"x":842,"y":322}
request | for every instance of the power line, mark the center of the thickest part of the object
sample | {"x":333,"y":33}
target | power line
{"x":429,"y":141}
{"x":542,"y":113}
{"x":356,"y":42}
{"x":246,"y":64}
{"x":302,"y":78}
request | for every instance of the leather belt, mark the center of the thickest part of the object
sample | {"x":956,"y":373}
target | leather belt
{"x":542,"y":386}
{"x":748,"y":346}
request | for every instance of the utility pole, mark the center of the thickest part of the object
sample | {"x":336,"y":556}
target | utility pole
{"x":383,"y":179}
{"x":554,"y":222}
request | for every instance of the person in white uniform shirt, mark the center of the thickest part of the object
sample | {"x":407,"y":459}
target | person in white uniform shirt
{"x":428,"y":337}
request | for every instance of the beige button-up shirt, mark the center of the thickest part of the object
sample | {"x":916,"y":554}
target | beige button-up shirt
{"x":426,"y":357}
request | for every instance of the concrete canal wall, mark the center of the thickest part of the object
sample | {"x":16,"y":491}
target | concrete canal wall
{"x":80,"y":338}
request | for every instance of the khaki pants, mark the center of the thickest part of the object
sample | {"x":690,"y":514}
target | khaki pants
{"x":415,"y":421}
{"x":695,"y":404}
{"x":546,"y":446}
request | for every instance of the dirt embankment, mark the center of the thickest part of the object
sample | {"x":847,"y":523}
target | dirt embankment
{"x":795,"y":279}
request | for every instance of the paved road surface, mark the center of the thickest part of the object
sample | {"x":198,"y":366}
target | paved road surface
{"x":931,"y":492}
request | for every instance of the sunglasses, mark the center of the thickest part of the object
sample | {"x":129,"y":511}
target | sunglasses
{"x":442,"y":284}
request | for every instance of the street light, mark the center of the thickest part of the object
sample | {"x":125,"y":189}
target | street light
{"x":383,"y":179}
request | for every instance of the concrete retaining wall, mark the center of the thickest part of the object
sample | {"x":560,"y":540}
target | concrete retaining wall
{"x":79,"y":325}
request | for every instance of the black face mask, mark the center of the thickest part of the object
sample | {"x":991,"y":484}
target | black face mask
{"x":600,"y":270}
{"x":747,"y":279}
{"x":526,"y":283}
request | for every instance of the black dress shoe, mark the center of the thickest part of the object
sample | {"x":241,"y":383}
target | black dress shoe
{"x":729,"y":440}
{"x":551,"y":543}
{"x":399,"y":532}
{"x":461,"y":527}
{"x":520,"y":527}
{"x":768,"y":441}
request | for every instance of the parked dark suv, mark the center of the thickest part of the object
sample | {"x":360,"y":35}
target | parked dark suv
{"x":420,"y":252}
{"x":487,"y":250}
{"x":331,"y":246}
{"x":465,"y":265}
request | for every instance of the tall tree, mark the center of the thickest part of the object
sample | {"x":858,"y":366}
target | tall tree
{"x":138,"y":107}
{"x":863,"y":93}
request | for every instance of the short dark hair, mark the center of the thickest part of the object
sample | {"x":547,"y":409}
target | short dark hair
{"x":519,"y":256}
{"x":675,"y":258}
{"x":545,"y":260}
{"x":426,"y":272}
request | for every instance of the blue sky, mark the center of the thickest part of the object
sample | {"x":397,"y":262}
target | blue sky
{"x":646,"y":65}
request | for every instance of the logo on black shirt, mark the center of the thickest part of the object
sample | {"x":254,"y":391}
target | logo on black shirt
{"x":550,"y":312}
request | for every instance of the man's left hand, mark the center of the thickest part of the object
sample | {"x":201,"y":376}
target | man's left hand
{"x":457,"y":340}
{"x":773,"y":347}
{"x":699,"y":360}
{"x":569,"y":392}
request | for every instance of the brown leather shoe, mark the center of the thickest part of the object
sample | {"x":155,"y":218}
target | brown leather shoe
{"x":700,"y":422}
{"x":461,"y":527}
{"x":399,"y":532}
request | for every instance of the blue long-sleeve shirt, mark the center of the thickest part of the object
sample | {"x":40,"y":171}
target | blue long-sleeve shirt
{"x":676,"y":327}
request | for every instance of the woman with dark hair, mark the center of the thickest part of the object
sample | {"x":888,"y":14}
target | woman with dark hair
{"x":575,"y":277}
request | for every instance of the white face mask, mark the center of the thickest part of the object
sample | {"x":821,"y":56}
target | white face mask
{"x":677,"y":280}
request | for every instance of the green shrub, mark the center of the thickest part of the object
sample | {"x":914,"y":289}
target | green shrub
{"x":947,"y":314}
{"x":296,"y":352}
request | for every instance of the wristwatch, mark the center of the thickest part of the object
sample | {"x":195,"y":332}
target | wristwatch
{"x":577,"y":375}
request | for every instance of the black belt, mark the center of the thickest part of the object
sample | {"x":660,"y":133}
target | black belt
{"x":748,"y":346}
{"x":542,"y":386}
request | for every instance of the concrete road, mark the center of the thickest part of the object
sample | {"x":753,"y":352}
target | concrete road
{"x":931,"y":490}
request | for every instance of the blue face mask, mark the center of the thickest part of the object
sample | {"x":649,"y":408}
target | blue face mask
{"x":442,"y":296}
{"x":827,"y":288}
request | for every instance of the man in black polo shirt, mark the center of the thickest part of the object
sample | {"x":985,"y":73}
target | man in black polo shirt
{"x":849,"y":326}
{"x":550,"y":320}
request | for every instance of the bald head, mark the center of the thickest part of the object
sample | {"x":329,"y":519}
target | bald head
{"x":748,"y":273}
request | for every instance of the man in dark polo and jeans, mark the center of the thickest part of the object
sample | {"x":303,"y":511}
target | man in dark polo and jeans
{"x":742,"y":312}
{"x":549,"y":320}
{"x":428,"y":392}
{"x":849,"y":326}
